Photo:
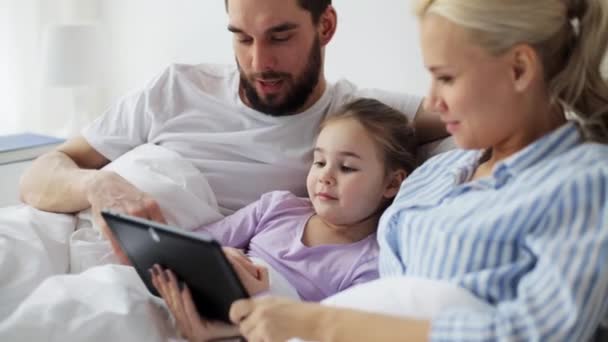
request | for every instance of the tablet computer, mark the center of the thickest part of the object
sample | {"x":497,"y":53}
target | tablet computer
{"x":196,"y":259}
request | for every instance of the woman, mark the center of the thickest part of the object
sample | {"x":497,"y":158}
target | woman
{"x":519,"y":216}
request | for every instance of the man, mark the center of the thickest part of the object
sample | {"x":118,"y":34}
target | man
{"x":248,"y":128}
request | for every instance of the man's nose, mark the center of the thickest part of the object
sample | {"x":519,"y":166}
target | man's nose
{"x":262,"y":58}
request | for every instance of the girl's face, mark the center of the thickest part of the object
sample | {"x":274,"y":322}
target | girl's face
{"x":472,"y":90}
{"x":347,"y":182}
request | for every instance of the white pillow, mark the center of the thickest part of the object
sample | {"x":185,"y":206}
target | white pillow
{"x":181,"y":190}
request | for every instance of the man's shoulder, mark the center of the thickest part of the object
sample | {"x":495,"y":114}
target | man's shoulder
{"x":345,"y":91}
{"x":194,"y":81}
{"x":200,"y":72}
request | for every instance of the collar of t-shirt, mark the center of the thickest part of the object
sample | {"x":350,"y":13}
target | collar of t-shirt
{"x":322,"y":103}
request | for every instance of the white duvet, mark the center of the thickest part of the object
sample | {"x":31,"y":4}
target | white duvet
{"x":44,"y":295}
{"x":59,"y":280}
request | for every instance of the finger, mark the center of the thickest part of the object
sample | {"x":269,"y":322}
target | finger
{"x":158,"y":285}
{"x":240,"y":309}
{"x":153,"y":279}
{"x":264,"y":275}
{"x":218,"y":329}
{"x":249,"y":281}
{"x":137,"y":210}
{"x":189,"y":307}
{"x":249,"y":328}
{"x":243,"y":263}
{"x":97,"y":218}
{"x":115,"y":245}
{"x":104,"y":228}
{"x":176,"y":298}
{"x":153,"y":211}
{"x":163,"y":282}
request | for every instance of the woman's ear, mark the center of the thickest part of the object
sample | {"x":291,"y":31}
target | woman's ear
{"x":394,"y":183}
{"x":328,"y":23}
{"x":524,"y":64}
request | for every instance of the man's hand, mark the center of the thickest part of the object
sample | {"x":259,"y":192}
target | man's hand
{"x":108,"y":190}
{"x":181,"y":305}
{"x":254,"y":277}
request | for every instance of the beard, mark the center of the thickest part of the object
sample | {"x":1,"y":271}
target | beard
{"x":298,"y":89}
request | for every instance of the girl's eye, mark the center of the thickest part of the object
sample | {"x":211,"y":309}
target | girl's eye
{"x":347,"y":169}
{"x":445,"y":79}
{"x":319,"y":164}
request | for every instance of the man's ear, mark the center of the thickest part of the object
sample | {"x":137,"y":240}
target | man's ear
{"x":328,"y":22}
{"x":394,"y":183}
{"x":524,"y":65}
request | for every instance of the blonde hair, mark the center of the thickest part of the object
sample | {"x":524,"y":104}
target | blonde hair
{"x":570,"y":36}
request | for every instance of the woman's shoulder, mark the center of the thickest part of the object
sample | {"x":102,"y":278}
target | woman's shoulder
{"x":584,"y":159}
{"x":446,"y":160}
{"x":451,"y":156}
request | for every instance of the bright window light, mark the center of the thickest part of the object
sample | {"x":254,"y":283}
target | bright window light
{"x":8,"y":107}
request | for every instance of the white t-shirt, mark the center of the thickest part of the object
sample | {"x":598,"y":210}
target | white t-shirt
{"x":195,"y":111}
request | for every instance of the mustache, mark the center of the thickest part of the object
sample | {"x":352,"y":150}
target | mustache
{"x":265,"y":75}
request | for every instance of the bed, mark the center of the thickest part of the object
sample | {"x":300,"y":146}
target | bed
{"x":59,"y":280}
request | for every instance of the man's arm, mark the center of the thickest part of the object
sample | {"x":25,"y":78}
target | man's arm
{"x":428,"y":126}
{"x":58,"y":181}
{"x":68,"y":180}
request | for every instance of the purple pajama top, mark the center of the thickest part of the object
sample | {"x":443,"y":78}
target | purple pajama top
{"x":271,"y":229}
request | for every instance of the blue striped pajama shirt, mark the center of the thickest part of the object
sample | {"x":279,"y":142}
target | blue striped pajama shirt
{"x":531,"y":239}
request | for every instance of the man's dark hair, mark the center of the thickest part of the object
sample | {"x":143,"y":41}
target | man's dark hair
{"x":315,"y":7}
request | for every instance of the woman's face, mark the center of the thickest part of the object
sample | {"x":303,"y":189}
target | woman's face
{"x":471,"y":90}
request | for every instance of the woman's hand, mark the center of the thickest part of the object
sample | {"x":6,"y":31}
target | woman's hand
{"x":181,"y":305}
{"x":271,"y":319}
{"x":254,"y":277}
{"x":276,"y":319}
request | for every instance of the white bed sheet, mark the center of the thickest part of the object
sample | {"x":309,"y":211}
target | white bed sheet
{"x":40,"y":300}
{"x":57,"y":278}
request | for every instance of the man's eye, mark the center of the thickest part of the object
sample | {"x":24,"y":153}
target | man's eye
{"x":280,"y":38}
{"x":244,"y":40}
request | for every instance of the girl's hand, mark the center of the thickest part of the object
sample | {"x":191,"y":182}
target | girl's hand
{"x":271,"y":319}
{"x":255,"y":278}
{"x":181,"y":305}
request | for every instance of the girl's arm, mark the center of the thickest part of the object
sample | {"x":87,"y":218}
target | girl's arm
{"x":238,"y":229}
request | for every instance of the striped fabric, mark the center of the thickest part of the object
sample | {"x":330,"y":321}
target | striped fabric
{"x":531,"y":240}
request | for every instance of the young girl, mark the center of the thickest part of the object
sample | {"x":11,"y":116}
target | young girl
{"x":325,"y":243}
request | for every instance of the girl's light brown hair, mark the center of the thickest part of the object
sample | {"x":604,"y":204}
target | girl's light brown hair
{"x":389,"y":129}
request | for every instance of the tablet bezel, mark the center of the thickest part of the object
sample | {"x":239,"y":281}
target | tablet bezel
{"x":159,"y":236}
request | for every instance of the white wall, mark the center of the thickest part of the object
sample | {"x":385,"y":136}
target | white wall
{"x":376,"y":44}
